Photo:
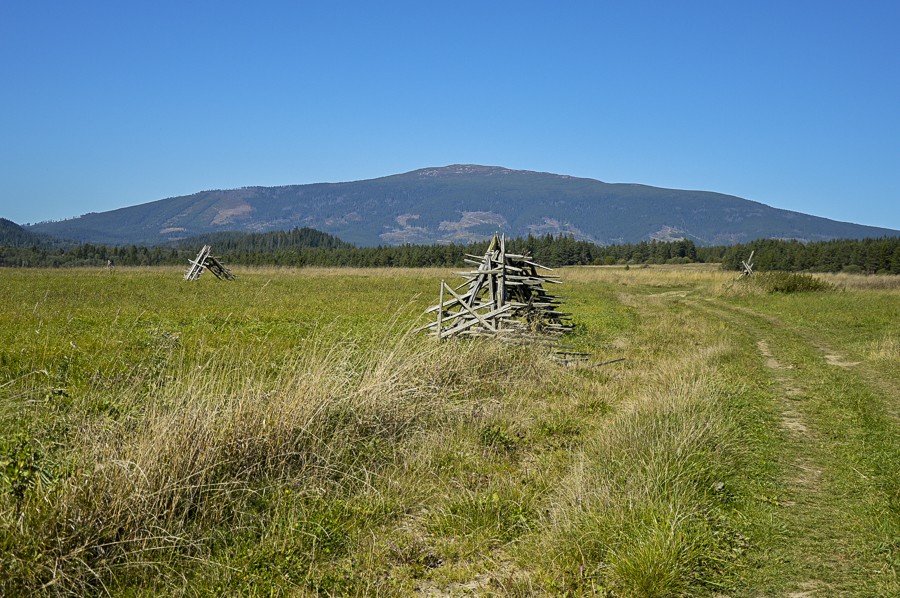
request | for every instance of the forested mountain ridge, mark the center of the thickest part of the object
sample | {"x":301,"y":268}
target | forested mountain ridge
{"x":460,"y":204}
{"x":14,"y":235}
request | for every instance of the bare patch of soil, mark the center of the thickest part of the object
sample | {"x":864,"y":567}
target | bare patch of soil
{"x":793,"y":422}
{"x":838,"y":360}
{"x":808,"y":589}
{"x":480,"y":585}
{"x":808,"y":475}
{"x":771,"y":362}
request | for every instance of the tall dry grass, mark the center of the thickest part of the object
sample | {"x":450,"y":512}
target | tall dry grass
{"x":650,"y":277}
{"x":150,"y":489}
{"x":882,"y":282}
{"x":714,"y":279}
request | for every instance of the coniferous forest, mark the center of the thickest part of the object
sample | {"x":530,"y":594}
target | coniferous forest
{"x":308,"y":247}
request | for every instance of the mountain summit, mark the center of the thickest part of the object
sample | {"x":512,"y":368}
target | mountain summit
{"x":460,"y":203}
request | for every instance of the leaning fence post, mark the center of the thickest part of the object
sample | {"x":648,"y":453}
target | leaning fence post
{"x":440,"y":311}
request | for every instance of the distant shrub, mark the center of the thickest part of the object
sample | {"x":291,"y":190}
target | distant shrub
{"x":777,"y":282}
{"x":789,"y":282}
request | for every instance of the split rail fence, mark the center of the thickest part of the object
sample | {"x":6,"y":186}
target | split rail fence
{"x":205,"y":260}
{"x":506,"y":298}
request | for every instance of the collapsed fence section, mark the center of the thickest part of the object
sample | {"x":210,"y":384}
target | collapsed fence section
{"x":505,"y":297}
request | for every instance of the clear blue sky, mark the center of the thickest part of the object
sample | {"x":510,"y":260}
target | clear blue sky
{"x":110,"y":104}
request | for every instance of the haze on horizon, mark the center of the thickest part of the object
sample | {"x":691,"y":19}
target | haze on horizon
{"x":106,"y":105}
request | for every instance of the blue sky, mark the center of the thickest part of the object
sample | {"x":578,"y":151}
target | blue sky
{"x":110,"y":104}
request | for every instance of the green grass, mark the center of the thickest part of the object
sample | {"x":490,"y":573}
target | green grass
{"x":285,"y":435}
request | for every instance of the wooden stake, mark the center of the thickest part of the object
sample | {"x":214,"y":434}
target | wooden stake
{"x":440,"y":311}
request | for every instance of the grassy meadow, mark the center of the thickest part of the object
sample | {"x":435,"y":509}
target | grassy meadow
{"x":286,"y":435}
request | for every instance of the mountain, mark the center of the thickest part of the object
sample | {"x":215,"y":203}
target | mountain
{"x":14,"y":235}
{"x":460,"y":203}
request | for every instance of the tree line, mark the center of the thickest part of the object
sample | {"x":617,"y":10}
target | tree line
{"x":308,"y":247}
{"x":869,"y":256}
